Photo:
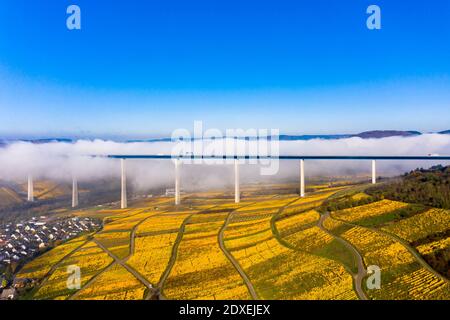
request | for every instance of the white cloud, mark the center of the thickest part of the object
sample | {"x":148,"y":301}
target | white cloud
{"x":58,"y":161}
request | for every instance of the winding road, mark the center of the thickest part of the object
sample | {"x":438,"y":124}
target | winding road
{"x":362,"y":272}
{"x":357,"y":277}
{"x":233,"y":261}
{"x":173,"y":256}
{"x":403,"y":242}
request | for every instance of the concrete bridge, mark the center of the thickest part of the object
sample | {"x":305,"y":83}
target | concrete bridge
{"x":177,"y":160}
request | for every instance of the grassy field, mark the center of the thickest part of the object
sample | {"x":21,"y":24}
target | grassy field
{"x":270,"y":246}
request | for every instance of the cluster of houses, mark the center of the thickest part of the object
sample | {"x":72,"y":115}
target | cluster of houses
{"x":20,"y":242}
{"x":26,"y":239}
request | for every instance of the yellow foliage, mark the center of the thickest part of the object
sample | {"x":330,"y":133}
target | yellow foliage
{"x":293,"y":223}
{"x":421,"y":225}
{"x":268,"y":204}
{"x":201,"y":270}
{"x":114,"y":284}
{"x":309,"y":239}
{"x":418,"y":285}
{"x":360,"y":196}
{"x":281,"y":273}
{"x":163,"y":223}
{"x":39,"y":267}
{"x":370,"y":210}
{"x":399,"y":269}
{"x":90,"y":259}
{"x":117,"y":242}
{"x":431,"y":247}
{"x":128,"y":222}
{"x":151,"y":255}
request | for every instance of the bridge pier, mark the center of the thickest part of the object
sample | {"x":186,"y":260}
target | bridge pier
{"x":123,"y":200}
{"x":374,"y":171}
{"x":302,"y":178}
{"x":30,"y":188}
{"x":177,"y":182}
{"x":74,"y":192}
{"x":237,"y":191}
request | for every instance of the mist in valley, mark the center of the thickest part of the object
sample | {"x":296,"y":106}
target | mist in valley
{"x":60,"y":161}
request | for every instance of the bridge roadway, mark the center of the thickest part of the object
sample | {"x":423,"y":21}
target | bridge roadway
{"x":282,"y":157}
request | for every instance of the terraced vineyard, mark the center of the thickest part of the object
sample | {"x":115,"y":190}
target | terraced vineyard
{"x":279,"y":272}
{"x":389,"y":245}
{"x":270,"y":246}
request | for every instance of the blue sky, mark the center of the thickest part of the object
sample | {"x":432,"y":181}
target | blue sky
{"x":145,"y":68}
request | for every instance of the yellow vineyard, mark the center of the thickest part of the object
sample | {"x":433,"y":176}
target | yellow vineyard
{"x":369,"y":210}
{"x":405,"y":276}
{"x":267,"y":247}
{"x":421,"y":225}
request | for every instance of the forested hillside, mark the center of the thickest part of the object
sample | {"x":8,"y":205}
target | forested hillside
{"x":430,"y":187}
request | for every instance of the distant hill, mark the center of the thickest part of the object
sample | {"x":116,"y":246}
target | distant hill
{"x":312,"y":136}
{"x":375,"y":134}
{"x":5,"y":142}
{"x":9,"y":197}
{"x":306,"y":137}
{"x":39,"y":141}
{"x":12,"y":193}
{"x":44,"y":190}
{"x":152,"y":140}
{"x":386,"y":133}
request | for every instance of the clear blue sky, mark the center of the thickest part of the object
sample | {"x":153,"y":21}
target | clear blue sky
{"x":144,"y":68}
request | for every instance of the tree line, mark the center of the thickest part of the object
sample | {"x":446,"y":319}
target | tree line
{"x":430,"y":187}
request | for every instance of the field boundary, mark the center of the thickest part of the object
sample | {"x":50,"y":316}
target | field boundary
{"x":91,"y":280}
{"x":357,"y":278}
{"x":362,"y":271}
{"x":174,"y":254}
{"x":403,"y":242}
{"x":55,"y":266}
{"x":234,"y":262}
{"x":122,"y":262}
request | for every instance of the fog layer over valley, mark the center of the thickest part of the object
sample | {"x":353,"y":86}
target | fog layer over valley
{"x":59,"y":161}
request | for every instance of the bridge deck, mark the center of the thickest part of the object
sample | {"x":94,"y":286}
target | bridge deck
{"x":299,"y":157}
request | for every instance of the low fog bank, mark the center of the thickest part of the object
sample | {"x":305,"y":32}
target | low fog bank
{"x":59,"y":161}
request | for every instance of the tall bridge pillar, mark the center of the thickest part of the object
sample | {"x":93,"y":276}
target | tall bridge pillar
{"x":237,"y":191}
{"x":374,"y":171}
{"x":177,"y":182}
{"x":74,"y":192}
{"x":30,"y":188}
{"x":123,"y":201}
{"x":302,"y":178}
